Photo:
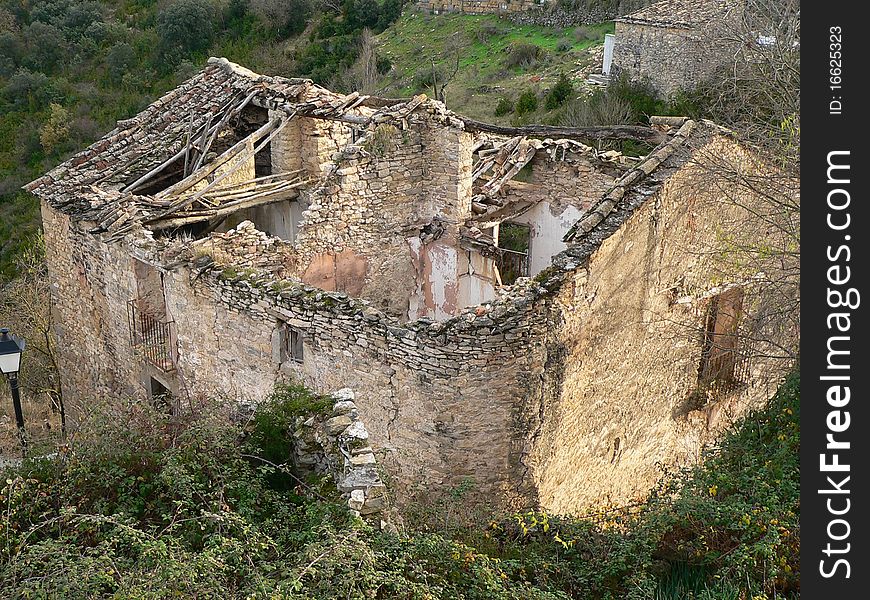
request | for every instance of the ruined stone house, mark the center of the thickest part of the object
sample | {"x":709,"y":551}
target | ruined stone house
{"x":674,"y":44}
{"x":519,"y":308}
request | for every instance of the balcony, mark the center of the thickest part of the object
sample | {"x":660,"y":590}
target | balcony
{"x":151,"y":336}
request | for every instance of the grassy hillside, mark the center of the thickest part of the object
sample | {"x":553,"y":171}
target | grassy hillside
{"x":141,"y":505}
{"x":495,"y":58}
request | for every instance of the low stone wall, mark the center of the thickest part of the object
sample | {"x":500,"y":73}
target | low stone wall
{"x":482,"y":7}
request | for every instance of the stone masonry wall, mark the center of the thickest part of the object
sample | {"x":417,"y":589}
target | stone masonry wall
{"x":337,"y":444}
{"x":356,"y":231}
{"x":672,"y":59}
{"x":307,"y":143}
{"x":633,"y":350}
{"x":92,"y":282}
{"x":482,"y":7}
{"x":442,"y":401}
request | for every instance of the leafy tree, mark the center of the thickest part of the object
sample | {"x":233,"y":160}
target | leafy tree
{"x":31,"y":90}
{"x":185,"y":27}
{"x":46,"y":47}
{"x":11,"y":52}
{"x":119,"y":59}
{"x":362,"y":13}
{"x":56,"y":129}
{"x":80,"y":18}
{"x":390,"y":12}
{"x":283,"y":17}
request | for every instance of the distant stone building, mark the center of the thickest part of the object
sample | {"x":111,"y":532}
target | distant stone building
{"x":674,"y":44}
{"x":508,"y":305}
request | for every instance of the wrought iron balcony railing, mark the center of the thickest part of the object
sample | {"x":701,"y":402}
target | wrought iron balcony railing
{"x":151,"y":336}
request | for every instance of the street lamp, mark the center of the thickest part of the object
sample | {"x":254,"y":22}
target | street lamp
{"x":11,"y":348}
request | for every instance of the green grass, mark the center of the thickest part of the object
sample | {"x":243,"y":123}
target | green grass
{"x":484,"y":40}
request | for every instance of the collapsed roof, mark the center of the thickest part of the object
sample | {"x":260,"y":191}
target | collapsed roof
{"x":199,"y":128}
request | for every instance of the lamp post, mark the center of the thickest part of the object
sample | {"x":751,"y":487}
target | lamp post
{"x":11,"y":348}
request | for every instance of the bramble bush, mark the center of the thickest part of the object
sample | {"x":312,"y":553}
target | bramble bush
{"x":144,"y":505}
{"x":560,"y":93}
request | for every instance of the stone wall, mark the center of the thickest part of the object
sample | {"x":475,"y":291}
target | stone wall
{"x":671,"y":59}
{"x":91,"y":284}
{"x":442,"y":401}
{"x":482,"y":7}
{"x":633,"y":344}
{"x":337,"y":444}
{"x":364,"y":228}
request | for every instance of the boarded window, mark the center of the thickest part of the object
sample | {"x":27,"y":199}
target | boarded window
{"x":721,"y":363}
{"x":291,"y":344}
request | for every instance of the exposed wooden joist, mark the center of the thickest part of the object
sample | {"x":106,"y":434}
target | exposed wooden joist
{"x":239,"y":161}
{"x":290,"y":192}
{"x":224,"y":158}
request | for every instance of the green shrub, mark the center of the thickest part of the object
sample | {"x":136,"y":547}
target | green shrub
{"x":274,"y":419}
{"x":142,"y":504}
{"x":564,"y":45}
{"x":504,"y":107}
{"x":31,"y":90}
{"x":522,"y":55}
{"x":527,"y":103}
{"x":559,"y":93}
{"x":46,"y":47}
{"x":119,"y":59}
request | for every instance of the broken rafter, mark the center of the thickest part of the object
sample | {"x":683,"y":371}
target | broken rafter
{"x":222,"y":195}
{"x":506,"y":213}
{"x":219,"y":127}
{"x":187,"y":144}
{"x":287,"y":191}
{"x":239,"y":161}
{"x":510,"y":159}
{"x":200,"y":174}
{"x":205,"y":136}
{"x":265,"y":180}
{"x":147,"y":176}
